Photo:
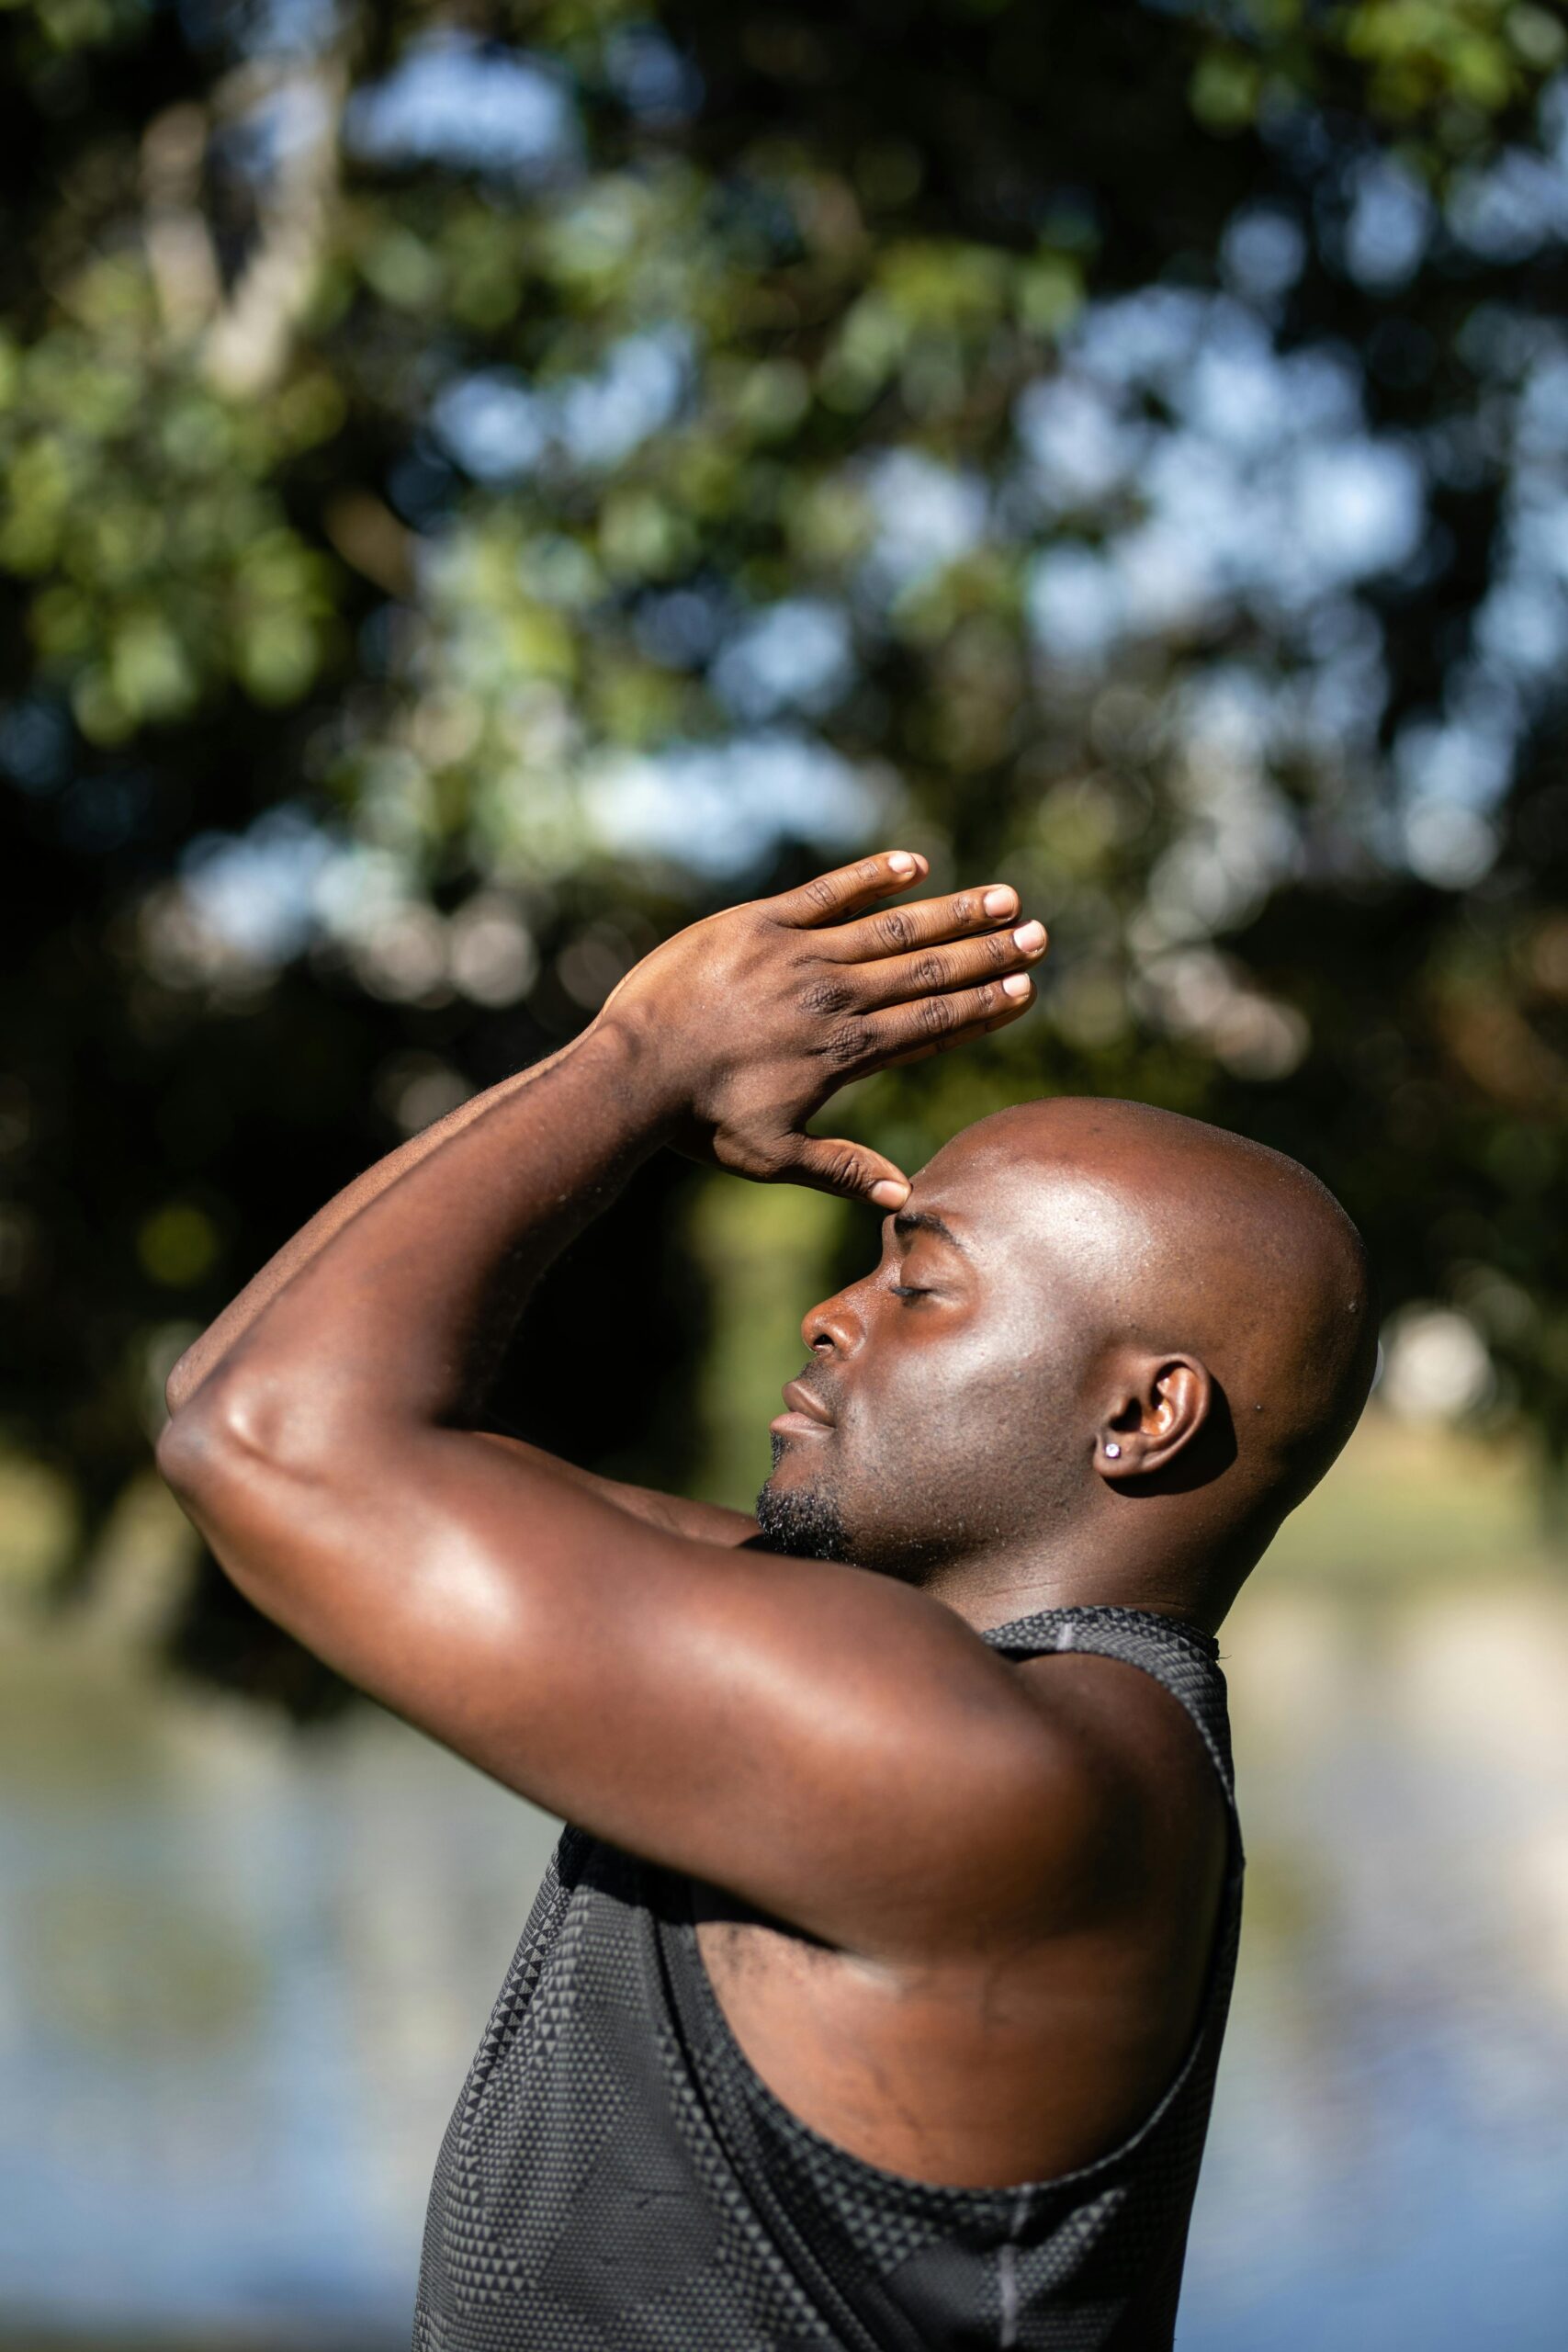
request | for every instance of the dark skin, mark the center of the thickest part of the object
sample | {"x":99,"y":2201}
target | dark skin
{"x":1101,"y":1352}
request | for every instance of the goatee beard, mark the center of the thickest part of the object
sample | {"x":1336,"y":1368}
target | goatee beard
{"x":799,"y":1526}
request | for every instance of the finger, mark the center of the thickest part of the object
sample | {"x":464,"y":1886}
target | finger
{"x":971,"y":1033}
{"x":830,"y":897}
{"x":909,"y":1032}
{"x":897,"y":930}
{"x":829,"y":1164}
{"x":942,"y":970}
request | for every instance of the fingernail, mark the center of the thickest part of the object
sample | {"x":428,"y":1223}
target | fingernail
{"x":1017,"y":984}
{"x":1000,"y":901}
{"x":889,"y":1196}
{"x":1029,"y":936}
{"x":901,"y":862}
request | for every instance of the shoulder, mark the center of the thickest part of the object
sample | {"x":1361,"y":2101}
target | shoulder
{"x":1037,"y":1798}
{"x":1136,"y":1803}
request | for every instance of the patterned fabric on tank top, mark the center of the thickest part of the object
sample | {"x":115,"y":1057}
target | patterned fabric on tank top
{"x":617,"y":2178}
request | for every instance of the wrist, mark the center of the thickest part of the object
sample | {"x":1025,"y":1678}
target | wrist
{"x":635,"y":1057}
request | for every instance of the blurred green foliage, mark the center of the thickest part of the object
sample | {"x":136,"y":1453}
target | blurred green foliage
{"x":481,"y":486}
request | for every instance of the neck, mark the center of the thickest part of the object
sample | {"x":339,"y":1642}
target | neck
{"x":992,"y":1588}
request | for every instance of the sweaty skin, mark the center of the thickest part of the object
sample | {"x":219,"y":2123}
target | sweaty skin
{"x":1206,"y":1292}
{"x":1103,"y":1351}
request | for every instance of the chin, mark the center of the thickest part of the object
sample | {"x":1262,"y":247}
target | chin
{"x":795,"y":1467}
{"x":800,"y":1522}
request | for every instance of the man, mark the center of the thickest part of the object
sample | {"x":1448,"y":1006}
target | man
{"x":875,"y":1994}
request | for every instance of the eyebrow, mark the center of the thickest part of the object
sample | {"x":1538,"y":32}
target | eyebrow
{"x":912,"y":1221}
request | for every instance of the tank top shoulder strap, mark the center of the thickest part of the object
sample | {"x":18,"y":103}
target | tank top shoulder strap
{"x":1181,"y":1657}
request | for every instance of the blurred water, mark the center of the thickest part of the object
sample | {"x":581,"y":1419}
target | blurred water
{"x":241,"y":1974}
{"x":1389,"y":2159}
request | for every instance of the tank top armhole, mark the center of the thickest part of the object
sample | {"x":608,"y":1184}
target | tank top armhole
{"x":735,"y":2082}
{"x":1182,"y":1658}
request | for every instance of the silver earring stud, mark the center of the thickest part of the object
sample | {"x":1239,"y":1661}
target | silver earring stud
{"x":1112,"y":1452}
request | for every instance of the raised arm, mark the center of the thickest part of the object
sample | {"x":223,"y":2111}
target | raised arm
{"x":707,"y":1706}
{"x":679,"y":1513}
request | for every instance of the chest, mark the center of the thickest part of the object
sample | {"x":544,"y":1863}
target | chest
{"x":1018,"y":2068}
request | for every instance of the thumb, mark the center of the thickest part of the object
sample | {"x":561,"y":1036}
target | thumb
{"x":831,"y":1165}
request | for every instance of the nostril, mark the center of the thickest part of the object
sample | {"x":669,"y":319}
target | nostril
{"x":831,"y":1328}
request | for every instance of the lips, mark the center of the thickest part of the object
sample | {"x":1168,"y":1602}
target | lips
{"x":801,"y":1399}
{"x":807,"y":1416}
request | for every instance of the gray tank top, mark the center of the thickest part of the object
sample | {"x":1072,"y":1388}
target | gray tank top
{"x":617,"y":2178}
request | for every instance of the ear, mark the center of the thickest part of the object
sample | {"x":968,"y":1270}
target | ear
{"x":1164,"y":1404}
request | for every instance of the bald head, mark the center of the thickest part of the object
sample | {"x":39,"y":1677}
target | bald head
{"x":1099,"y":1333}
{"x":1176,"y":1237}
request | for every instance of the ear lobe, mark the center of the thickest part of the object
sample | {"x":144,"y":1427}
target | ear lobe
{"x":1156,"y":1421}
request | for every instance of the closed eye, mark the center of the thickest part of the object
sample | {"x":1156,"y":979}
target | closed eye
{"x":908,"y":1290}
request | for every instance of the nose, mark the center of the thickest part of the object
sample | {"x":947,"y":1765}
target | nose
{"x":834,"y":1329}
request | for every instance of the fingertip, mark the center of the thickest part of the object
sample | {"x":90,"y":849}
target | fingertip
{"x":887,"y":1195}
{"x":903,"y":863}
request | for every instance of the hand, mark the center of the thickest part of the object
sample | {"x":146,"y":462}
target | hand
{"x":757,"y":1014}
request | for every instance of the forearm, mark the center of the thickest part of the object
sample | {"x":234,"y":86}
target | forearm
{"x":206,"y":1353}
{"x":384,"y":1318}
{"x":395,"y":1317}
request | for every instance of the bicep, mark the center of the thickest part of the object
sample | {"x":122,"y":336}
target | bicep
{"x":836,"y":1748}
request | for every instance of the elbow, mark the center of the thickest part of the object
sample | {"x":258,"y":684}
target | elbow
{"x":258,"y":1430}
{"x":186,"y":1451}
{"x":226,"y":1436}
{"x":227,"y":1458}
{"x":202,"y":1448}
{"x":228,"y":1485}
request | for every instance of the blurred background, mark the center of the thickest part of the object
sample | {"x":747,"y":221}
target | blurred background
{"x":483,"y":485}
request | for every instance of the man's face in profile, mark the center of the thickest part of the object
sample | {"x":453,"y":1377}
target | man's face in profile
{"x":941,"y":1384}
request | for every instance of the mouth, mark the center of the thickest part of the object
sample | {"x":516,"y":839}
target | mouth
{"x":807,"y":1415}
